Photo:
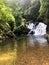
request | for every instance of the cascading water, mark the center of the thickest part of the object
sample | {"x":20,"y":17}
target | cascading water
{"x":38,"y":36}
{"x":30,"y":26}
{"x":40,"y":29}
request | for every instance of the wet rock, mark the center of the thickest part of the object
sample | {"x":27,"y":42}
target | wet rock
{"x":47,"y":29}
{"x":32,"y":32}
{"x":1,"y":37}
{"x":47,"y":37}
{"x":10,"y":35}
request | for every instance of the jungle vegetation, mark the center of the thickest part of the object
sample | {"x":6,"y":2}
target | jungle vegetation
{"x":14,"y":14}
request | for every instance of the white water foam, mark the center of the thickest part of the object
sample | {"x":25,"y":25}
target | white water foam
{"x":40,"y":29}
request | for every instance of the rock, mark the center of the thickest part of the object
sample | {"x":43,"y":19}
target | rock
{"x":47,"y":29}
{"x":10,"y":34}
{"x":32,"y":32}
{"x":1,"y":38}
{"x":47,"y":37}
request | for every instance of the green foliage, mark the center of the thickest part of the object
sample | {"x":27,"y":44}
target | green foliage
{"x":10,"y":16}
{"x":17,"y":12}
{"x":32,"y":12}
{"x":44,"y":10}
{"x":5,"y":16}
{"x":21,"y":30}
{"x":13,"y":14}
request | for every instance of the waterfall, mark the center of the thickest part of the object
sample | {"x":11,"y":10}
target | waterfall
{"x":30,"y":26}
{"x":40,"y":29}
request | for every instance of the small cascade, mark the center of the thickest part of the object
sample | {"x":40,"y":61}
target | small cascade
{"x":40,"y":29}
{"x":30,"y":26}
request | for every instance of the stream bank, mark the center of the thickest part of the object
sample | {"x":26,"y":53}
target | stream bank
{"x":39,"y":29}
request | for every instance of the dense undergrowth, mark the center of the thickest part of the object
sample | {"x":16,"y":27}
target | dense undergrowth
{"x":13,"y":15}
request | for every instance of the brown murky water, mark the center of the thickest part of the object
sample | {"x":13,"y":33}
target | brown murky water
{"x":24,"y":51}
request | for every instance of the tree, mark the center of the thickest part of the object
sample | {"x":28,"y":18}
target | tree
{"x":32,"y":12}
{"x":44,"y":10}
{"x":6,"y":16}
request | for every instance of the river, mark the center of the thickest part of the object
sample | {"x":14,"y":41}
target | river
{"x":28,"y":50}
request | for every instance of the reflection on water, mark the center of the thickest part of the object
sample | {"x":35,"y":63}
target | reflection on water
{"x":39,"y":40}
{"x":29,"y":50}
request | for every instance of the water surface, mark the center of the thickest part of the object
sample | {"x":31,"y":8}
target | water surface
{"x":28,"y":50}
